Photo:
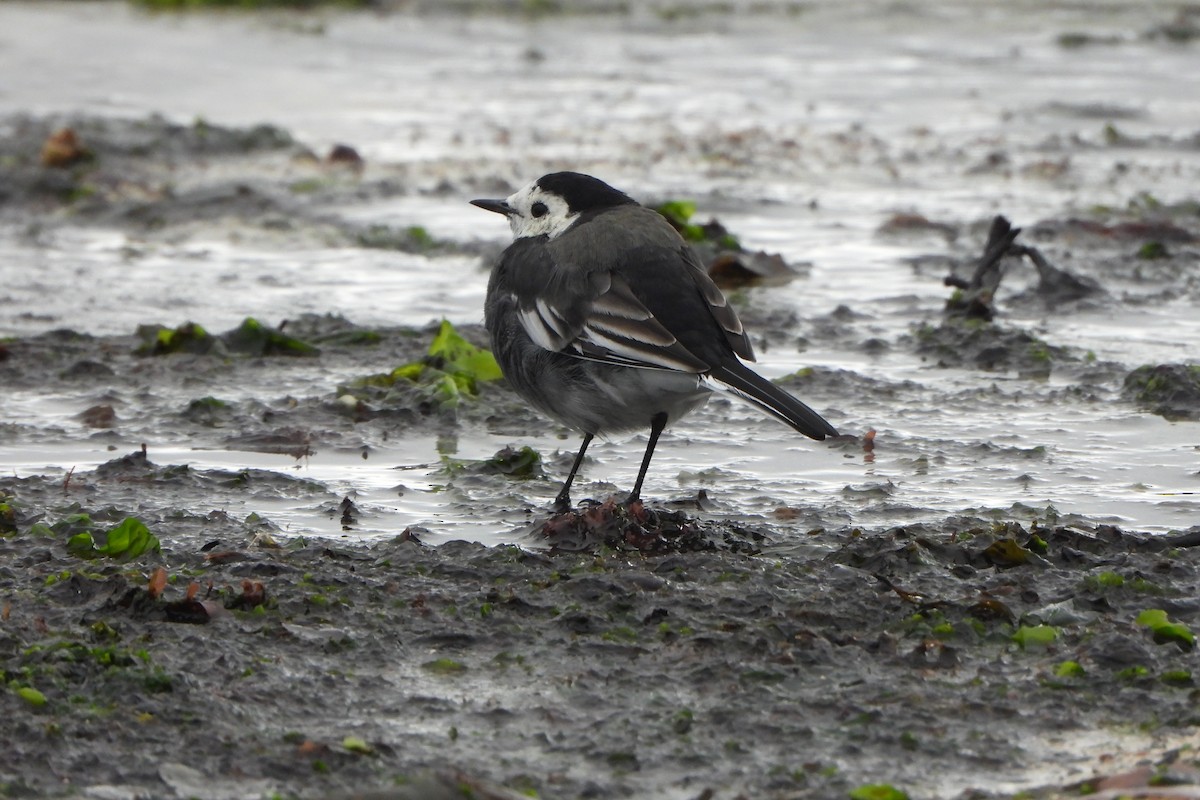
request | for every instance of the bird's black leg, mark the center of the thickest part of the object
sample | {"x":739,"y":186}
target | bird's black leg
{"x":562,"y":503}
{"x":657,"y":423}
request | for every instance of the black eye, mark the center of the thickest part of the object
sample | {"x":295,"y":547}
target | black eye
{"x":538,"y":209}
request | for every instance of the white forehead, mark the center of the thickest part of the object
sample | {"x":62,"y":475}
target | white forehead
{"x":558,"y":216}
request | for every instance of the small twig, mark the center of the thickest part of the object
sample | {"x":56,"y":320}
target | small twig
{"x":905,"y":595}
{"x":1056,"y":285}
{"x":975,"y":297}
{"x":1000,"y":240}
{"x":67,"y":480}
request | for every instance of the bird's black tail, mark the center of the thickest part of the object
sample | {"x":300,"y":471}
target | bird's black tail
{"x":747,"y":384}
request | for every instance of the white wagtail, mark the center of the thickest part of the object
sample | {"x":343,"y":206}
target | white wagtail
{"x":602,"y":316}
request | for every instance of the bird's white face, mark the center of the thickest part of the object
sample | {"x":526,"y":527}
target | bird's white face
{"x":537,"y":212}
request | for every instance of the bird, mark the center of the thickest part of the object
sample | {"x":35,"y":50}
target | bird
{"x":602,"y":316}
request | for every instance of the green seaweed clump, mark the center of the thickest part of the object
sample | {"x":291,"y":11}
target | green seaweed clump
{"x":1035,"y":637}
{"x":250,"y":338}
{"x":680,"y":212}
{"x":254,"y":338}
{"x":1153,"y":250}
{"x":413,"y":239}
{"x":125,"y":541}
{"x":8,"y":515}
{"x":877,"y":791}
{"x":452,"y":368}
{"x":522,"y":463}
{"x":444,"y":666}
{"x":1169,"y":390}
{"x":187,"y":338}
{"x":1164,"y":631}
{"x":31,"y":696}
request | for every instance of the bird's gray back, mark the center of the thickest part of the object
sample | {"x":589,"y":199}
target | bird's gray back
{"x":664,"y":273}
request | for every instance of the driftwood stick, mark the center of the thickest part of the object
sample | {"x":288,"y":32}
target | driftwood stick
{"x":975,"y":297}
{"x":1056,"y":285}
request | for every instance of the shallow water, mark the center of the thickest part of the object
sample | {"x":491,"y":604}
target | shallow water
{"x":803,"y":133}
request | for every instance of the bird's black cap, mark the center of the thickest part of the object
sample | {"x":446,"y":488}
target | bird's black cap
{"x":583,"y":192}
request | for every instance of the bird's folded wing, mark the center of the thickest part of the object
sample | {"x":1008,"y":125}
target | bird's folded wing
{"x":725,"y":316}
{"x":606,"y":322}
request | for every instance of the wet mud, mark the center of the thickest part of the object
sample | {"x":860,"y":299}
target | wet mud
{"x":958,"y":658}
{"x":832,"y":627}
{"x":646,"y":651}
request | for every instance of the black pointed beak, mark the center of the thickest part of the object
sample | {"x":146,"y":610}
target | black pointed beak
{"x":499,"y":206}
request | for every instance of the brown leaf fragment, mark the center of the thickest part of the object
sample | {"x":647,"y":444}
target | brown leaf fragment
{"x":158,"y":582}
{"x":787,"y":513}
{"x":253,"y":594}
{"x":410,"y":534}
{"x":345,"y":155}
{"x":226,"y":557}
{"x":991,"y":608}
{"x":308,"y":748}
{"x":916,"y":223}
{"x":62,"y":149}
{"x":101,"y":416}
{"x":734,"y":270}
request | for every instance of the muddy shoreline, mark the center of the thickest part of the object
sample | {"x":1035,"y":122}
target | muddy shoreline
{"x":211,"y":329}
{"x":961,"y":661}
{"x":772,"y":657}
